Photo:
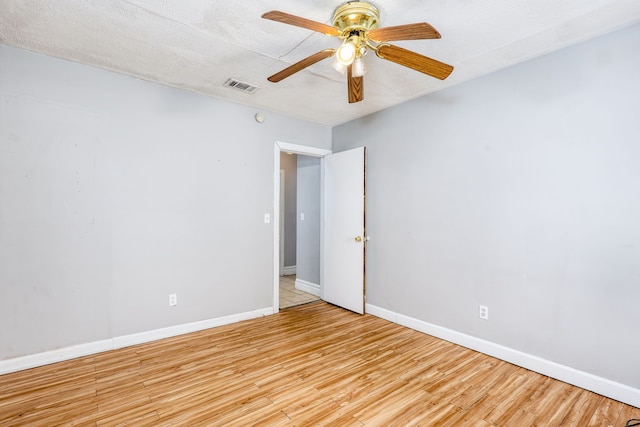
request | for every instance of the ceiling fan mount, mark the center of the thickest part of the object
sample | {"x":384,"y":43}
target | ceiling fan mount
{"x":356,"y":16}
{"x":357,"y":24}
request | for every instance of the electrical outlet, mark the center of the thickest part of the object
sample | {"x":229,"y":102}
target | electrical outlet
{"x":483,"y":312}
{"x":173,"y":299}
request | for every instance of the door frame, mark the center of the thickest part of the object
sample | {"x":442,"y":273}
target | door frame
{"x":281,"y":207}
{"x":304,"y":150}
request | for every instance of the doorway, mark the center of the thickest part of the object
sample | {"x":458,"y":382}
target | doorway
{"x":300,"y":179}
{"x":299,"y":283}
{"x":342,"y":229}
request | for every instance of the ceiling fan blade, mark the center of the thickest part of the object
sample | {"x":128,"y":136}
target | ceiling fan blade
{"x":355,"y":86}
{"x":301,"y":65}
{"x":418,"y":31}
{"x":414,"y":60}
{"x":286,"y":18}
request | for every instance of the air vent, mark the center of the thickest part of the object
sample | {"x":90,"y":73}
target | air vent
{"x":237,"y":84}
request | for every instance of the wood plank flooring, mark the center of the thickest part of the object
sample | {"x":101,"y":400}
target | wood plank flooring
{"x":311,"y":365}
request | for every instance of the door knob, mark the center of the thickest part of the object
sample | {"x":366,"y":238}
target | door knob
{"x":358,"y":239}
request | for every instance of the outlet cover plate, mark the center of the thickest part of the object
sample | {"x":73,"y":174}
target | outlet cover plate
{"x":483,"y":312}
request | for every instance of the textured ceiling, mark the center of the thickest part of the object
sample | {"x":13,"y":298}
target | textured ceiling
{"x":198,"y":44}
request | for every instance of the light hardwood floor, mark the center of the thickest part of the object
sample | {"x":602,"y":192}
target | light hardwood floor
{"x":311,"y":365}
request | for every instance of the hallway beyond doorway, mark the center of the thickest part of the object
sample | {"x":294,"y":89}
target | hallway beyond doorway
{"x":290,"y":296}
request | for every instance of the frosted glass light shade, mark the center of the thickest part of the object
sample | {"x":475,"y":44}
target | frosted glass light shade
{"x":338,"y":66}
{"x":358,"y":68}
{"x":346,"y":53}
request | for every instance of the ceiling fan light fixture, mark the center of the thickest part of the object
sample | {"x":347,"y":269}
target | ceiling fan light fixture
{"x":357,"y":68}
{"x":337,"y":65}
{"x":346,"y":53}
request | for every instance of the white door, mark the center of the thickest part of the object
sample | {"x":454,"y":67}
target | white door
{"x":343,"y":251}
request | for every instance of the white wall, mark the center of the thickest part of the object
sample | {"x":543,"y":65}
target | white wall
{"x":308,"y":245}
{"x":115,"y":192}
{"x":520,"y":191}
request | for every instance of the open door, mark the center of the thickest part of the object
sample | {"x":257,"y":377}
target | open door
{"x":344,"y":238}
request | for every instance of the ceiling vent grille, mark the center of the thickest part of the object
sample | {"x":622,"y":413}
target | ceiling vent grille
{"x":244,"y":87}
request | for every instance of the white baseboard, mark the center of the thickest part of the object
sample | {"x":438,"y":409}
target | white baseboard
{"x":603,"y":386}
{"x":289,"y":270}
{"x":311,"y":288}
{"x":67,"y":353}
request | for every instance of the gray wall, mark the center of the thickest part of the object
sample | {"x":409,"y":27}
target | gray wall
{"x":288,"y":163}
{"x":115,"y":192}
{"x":519,"y":191}
{"x":308,"y":268}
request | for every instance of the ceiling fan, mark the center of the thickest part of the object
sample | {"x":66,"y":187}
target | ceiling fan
{"x":356,"y":23}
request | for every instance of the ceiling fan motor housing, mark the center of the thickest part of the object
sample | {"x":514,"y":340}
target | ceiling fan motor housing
{"x":356,"y":17}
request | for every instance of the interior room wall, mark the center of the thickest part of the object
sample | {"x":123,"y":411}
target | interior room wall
{"x":288,"y":163}
{"x":518,"y":191}
{"x":308,"y":246}
{"x":116,"y":192}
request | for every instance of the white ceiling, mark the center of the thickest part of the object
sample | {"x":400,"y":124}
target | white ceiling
{"x":198,"y":44}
